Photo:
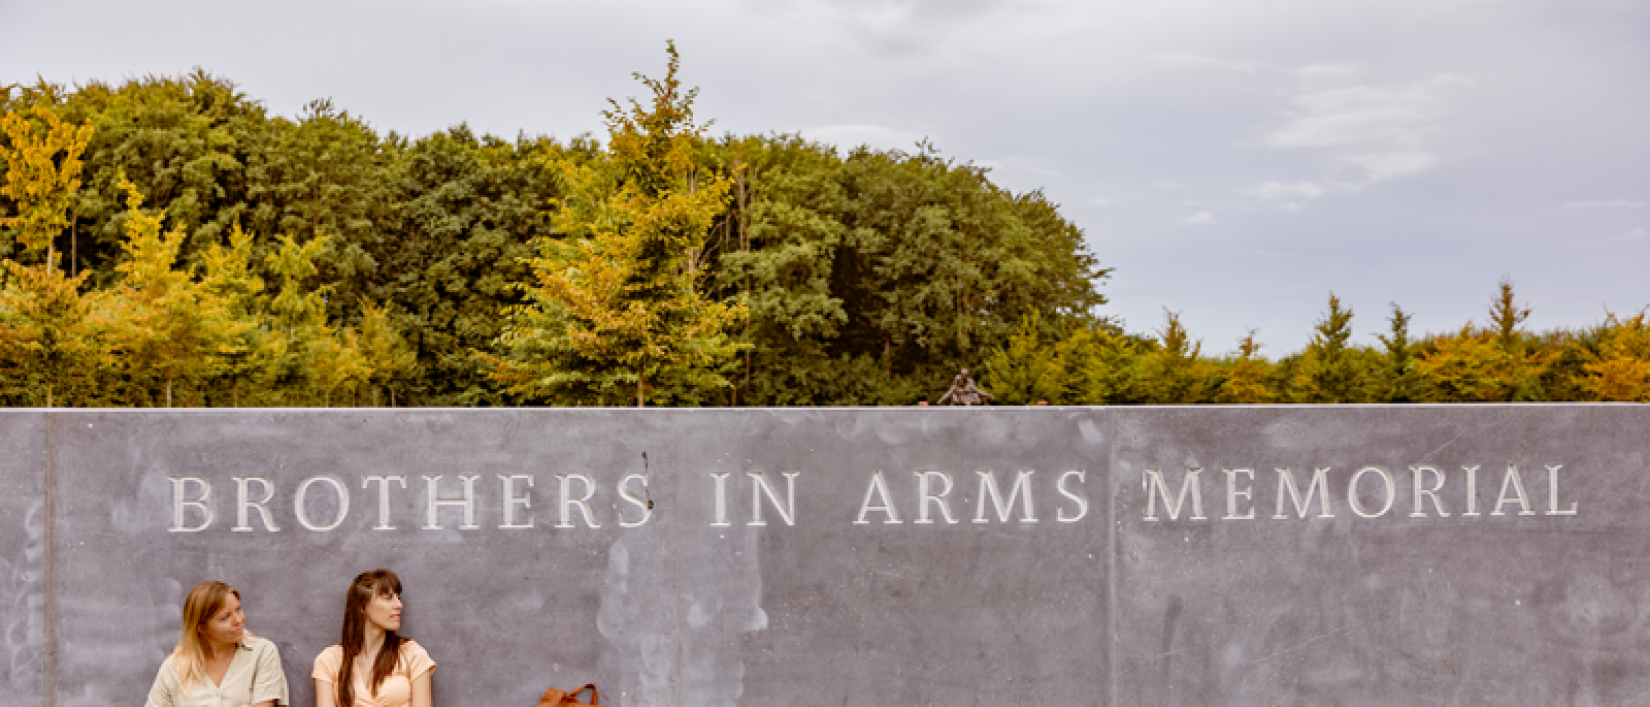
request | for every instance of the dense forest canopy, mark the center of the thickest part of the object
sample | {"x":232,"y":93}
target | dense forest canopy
{"x":167,"y":241}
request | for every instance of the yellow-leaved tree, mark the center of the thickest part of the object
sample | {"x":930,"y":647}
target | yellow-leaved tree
{"x":614,"y":310}
{"x":1491,"y":365}
{"x":50,"y":348}
{"x":165,"y":326}
{"x":1621,"y":369}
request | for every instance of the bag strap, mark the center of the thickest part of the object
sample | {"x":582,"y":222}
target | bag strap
{"x":595,"y":695}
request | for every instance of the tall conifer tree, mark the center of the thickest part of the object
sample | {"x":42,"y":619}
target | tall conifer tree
{"x":615,"y":310}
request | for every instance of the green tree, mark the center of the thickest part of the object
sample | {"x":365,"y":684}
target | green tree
{"x":465,"y":210}
{"x":1330,"y":370}
{"x":182,"y":141}
{"x":1400,"y":378}
{"x":1175,"y":373}
{"x":614,"y":308}
{"x":382,"y":347}
{"x":1029,"y":369}
{"x":775,"y":249}
{"x":1506,"y":315}
{"x":1247,"y":381}
{"x":1108,"y":365}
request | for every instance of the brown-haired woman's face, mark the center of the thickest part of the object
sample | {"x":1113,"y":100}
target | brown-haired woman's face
{"x":226,"y":625}
{"x":384,"y":611}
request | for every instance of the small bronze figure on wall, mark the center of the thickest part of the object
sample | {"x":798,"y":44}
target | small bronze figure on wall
{"x":964,"y":392}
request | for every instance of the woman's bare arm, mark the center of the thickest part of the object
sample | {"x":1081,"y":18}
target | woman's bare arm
{"x":421,"y":691}
{"x":325,"y":694}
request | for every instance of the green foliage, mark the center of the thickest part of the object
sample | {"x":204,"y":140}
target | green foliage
{"x":1330,"y":370}
{"x":164,"y":326}
{"x":1029,"y":369}
{"x":1506,"y":315}
{"x":614,"y":307}
{"x":1399,"y":379}
{"x":1175,"y":373}
{"x":51,"y":348}
{"x":1247,"y":379}
{"x":1109,"y":365}
{"x":312,"y":261}
{"x":463,"y":214}
{"x":907,"y":264}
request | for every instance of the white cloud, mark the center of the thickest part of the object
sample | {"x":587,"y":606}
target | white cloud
{"x":1291,"y":207}
{"x":1356,"y":115}
{"x":1323,"y":76}
{"x":1100,"y":201}
{"x":1198,"y":61}
{"x":1169,"y":185}
{"x":1201,"y":218}
{"x":1386,"y":165}
{"x":1388,"y":128}
{"x":1605,"y":204}
{"x":848,"y":137}
{"x":1632,"y":235}
{"x":1036,"y":166}
{"x":1270,"y":191}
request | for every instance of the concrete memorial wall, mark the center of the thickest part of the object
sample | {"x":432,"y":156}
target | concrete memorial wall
{"x":1351,"y":555}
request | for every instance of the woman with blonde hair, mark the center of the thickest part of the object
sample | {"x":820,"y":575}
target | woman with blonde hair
{"x":218,"y":663}
{"x":372,"y":665}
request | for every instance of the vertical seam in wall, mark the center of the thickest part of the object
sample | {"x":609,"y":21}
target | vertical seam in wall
{"x":1111,"y":554}
{"x":676,"y":567}
{"x":48,"y":690}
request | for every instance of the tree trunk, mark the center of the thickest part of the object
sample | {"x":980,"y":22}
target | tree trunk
{"x":169,"y":391}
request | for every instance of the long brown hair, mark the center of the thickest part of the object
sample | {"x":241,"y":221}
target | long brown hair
{"x":202,"y":603}
{"x":366,"y":586}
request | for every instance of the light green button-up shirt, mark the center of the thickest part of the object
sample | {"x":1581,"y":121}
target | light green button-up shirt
{"x":254,"y":676}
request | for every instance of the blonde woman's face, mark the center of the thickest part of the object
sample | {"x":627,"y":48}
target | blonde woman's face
{"x":384,"y":611}
{"x":226,"y":625}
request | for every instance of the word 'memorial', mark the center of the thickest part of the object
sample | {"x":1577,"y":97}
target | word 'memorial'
{"x":1427,"y":491}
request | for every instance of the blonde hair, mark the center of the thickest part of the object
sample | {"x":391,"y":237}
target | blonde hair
{"x":203,"y":601}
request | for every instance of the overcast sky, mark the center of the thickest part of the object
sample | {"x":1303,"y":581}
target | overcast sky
{"x":1234,"y":160}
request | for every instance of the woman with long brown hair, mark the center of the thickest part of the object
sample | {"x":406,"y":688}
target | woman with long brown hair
{"x":217,"y":662}
{"x":373,"y":665}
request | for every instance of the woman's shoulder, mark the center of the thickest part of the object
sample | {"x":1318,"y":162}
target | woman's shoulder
{"x":410,"y":649}
{"x":331,"y":655}
{"x":171,"y":668}
{"x":414,"y":659}
{"x":259,"y":644}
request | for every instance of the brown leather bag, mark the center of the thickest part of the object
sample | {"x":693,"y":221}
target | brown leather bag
{"x":556,"y":698}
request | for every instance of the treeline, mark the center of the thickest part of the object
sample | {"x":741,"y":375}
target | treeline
{"x":167,"y":241}
{"x":1497,"y":361}
{"x":862,"y":277}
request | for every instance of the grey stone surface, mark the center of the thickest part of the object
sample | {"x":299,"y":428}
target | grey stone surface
{"x":675,"y":611}
{"x":1465,"y":610}
{"x":1090,"y":603}
{"x":22,"y":559}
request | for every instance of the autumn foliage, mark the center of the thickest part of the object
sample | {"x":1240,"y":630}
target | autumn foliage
{"x":168,"y":242}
